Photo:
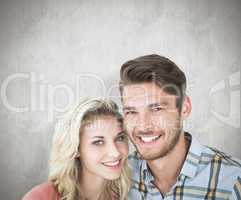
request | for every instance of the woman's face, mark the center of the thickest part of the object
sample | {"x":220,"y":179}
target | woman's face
{"x":103,"y":148}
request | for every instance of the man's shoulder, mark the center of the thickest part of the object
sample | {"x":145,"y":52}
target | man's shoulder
{"x":134,"y":158}
{"x":44,"y":191}
{"x":206,"y":155}
{"x":215,"y":155}
{"x":227,"y":166}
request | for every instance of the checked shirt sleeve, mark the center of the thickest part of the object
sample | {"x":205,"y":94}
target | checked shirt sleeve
{"x":236,"y":193}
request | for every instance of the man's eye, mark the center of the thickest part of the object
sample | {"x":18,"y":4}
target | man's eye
{"x":157,"y":108}
{"x":98,"y":142}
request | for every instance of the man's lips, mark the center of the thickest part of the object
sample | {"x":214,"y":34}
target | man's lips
{"x":149,"y":139}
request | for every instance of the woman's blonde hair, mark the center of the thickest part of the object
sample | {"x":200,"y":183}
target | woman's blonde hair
{"x":65,"y":166}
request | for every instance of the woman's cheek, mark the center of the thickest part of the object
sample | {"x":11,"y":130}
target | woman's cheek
{"x":124,"y":148}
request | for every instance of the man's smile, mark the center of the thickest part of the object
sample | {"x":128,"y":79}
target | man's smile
{"x":149,"y":139}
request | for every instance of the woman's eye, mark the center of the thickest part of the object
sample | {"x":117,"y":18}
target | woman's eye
{"x":121,"y":138}
{"x":130,"y":112}
{"x":98,"y":143}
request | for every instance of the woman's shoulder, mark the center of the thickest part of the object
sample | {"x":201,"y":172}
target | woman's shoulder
{"x":44,"y":191}
{"x":114,"y":198}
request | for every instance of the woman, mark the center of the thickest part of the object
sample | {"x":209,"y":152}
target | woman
{"x":89,"y":155}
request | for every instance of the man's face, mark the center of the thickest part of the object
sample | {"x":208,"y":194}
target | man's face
{"x":152,"y":119}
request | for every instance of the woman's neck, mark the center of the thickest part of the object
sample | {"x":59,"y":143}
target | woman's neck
{"x":92,"y":186}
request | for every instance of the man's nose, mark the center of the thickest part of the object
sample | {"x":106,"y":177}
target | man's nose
{"x":144,"y":122}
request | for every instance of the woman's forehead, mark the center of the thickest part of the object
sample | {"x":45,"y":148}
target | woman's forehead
{"x":102,"y":125}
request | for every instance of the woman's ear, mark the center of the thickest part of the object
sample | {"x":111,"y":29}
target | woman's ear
{"x":77,"y":155}
{"x":186,"y":107}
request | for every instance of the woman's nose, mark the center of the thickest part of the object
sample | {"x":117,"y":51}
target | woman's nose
{"x":113,"y":150}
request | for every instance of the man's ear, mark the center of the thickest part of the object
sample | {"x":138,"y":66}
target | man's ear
{"x":186,"y":107}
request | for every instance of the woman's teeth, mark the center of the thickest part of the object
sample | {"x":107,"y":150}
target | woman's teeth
{"x":112,"y":164}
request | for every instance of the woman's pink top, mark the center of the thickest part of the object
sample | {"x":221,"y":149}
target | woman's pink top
{"x":44,"y":191}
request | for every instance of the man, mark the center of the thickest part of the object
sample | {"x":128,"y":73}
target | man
{"x":169,"y":163}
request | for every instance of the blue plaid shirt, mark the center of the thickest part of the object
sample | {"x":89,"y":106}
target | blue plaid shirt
{"x":206,"y":174}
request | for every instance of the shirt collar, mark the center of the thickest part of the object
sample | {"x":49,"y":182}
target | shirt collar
{"x":147,"y":176}
{"x":190,"y":166}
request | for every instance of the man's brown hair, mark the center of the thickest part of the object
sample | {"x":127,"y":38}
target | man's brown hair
{"x":158,"y":69}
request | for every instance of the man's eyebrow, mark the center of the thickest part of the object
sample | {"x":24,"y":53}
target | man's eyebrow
{"x":129,"y":108}
{"x":162,"y":103}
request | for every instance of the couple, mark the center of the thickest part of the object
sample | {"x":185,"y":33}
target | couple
{"x":90,"y":145}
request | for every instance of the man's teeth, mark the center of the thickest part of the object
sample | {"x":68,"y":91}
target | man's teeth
{"x":149,"y":139}
{"x":111,"y":164}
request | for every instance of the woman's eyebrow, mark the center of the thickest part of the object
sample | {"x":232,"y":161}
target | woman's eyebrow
{"x":129,"y":108}
{"x":100,"y":137}
{"x":121,"y":132}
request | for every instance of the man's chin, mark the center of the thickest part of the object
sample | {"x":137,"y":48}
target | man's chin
{"x":152,"y":156}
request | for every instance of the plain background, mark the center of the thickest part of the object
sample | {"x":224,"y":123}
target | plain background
{"x":52,"y":52}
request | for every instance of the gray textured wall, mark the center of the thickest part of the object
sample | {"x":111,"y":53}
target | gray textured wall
{"x":52,"y":52}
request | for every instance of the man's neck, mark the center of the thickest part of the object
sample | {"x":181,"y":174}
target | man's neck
{"x":167,"y":169}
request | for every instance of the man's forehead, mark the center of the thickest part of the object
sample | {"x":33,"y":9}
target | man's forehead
{"x":139,"y":95}
{"x":147,"y":100}
{"x":144,"y":90}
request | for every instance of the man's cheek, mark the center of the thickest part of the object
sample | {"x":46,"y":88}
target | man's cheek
{"x":129,"y":129}
{"x":129,"y":125}
{"x":173,"y":124}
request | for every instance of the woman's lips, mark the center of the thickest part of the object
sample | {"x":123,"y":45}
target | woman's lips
{"x":112,"y":164}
